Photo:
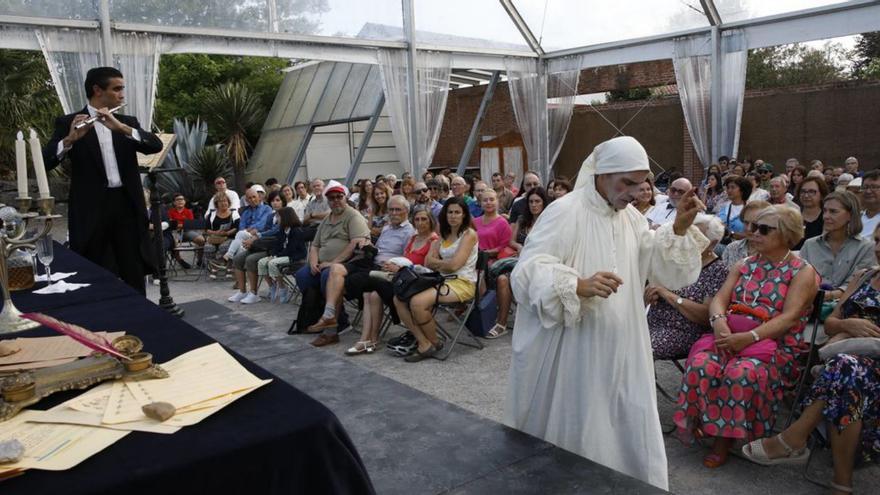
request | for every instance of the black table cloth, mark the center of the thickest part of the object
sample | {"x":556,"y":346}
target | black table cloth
{"x":274,"y":440}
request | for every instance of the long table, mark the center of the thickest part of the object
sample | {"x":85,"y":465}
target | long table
{"x":274,"y":440}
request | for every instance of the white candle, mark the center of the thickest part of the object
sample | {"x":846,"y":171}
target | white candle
{"x":21,"y":165}
{"x":39,"y":167}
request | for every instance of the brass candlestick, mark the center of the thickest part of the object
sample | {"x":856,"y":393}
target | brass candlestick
{"x":12,"y":238}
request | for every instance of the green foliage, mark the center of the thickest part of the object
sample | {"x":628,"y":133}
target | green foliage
{"x":866,"y":55}
{"x":27,"y":99}
{"x":206,"y":165}
{"x":788,"y":65}
{"x":235,"y":113}
{"x":628,"y":94}
{"x":186,"y":80}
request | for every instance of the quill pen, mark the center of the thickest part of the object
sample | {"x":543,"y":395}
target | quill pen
{"x":89,"y":339}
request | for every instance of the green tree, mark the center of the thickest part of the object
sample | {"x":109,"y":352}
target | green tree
{"x":27,"y":100}
{"x":186,"y":80}
{"x":788,"y":65}
{"x":866,"y":55}
{"x":235,"y":113}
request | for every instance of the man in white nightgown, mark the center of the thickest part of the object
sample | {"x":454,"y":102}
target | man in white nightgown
{"x":582,"y":371}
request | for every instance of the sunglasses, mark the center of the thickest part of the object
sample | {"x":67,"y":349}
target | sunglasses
{"x":761,"y":228}
{"x":422,"y":190}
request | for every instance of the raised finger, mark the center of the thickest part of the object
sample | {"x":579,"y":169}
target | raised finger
{"x":612,"y":276}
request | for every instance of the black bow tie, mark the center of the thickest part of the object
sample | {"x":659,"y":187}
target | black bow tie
{"x":669,"y":206}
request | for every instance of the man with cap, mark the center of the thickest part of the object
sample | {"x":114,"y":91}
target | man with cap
{"x":582,"y":373}
{"x":765,"y":173}
{"x":338,"y":235}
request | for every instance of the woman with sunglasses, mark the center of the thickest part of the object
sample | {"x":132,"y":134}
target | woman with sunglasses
{"x":735,"y":376}
{"x":841,"y":250}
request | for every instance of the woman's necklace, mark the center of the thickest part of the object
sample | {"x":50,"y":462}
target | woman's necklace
{"x":749,"y":278}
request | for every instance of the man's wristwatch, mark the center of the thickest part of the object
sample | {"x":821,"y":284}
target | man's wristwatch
{"x":679,"y":301}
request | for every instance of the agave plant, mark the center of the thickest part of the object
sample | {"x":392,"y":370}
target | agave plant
{"x":235,"y":114}
{"x":190,"y":141}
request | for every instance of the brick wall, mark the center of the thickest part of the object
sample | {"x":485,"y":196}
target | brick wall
{"x":828,"y":122}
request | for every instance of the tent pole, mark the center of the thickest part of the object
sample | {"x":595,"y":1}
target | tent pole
{"x":365,"y":142}
{"x":412,"y":100}
{"x":472,"y":138}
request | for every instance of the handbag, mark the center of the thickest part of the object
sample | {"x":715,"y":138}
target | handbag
{"x":263,"y":244}
{"x":482,"y":317}
{"x":407,"y":283}
{"x":728,"y":234}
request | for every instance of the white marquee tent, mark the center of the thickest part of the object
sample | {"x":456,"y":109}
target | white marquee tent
{"x":426,"y":45}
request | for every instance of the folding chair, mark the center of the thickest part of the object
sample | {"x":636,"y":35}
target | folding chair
{"x":812,"y":353}
{"x":461,"y":321}
{"x":197,"y":252}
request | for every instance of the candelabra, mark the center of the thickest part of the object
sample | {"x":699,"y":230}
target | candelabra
{"x":13,"y":237}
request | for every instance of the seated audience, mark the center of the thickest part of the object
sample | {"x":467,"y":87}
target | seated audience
{"x":318,"y":207}
{"x":645,"y":198}
{"x":797,"y":175}
{"x":870,"y":201}
{"x":733,"y":384}
{"x":844,"y":397}
{"x":479,"y":187}
{"x":841,"y":250}
{"x":712,"y":194}
{"x":288,"y":195}
{"x":851,"y":166}
{"x":245,"y":262}
{"x":499,"y":273}
{"x":377,"y":292}
{"x":178,"y":214}
{"x":337,"y":236}
{"x":676,"y":319}
{"x":779,"y":192}
{"x":256,"y":216}
{"x":836,"y":172}
{"x":455,"y":253}
{"x":364,"y":192}
{"x":561,"y":187}
{"x":460,"y":190}
{"x":812,"y":192}
{"x":817,"y":165}
{"x":424,"y":199}
{"x":407,"y":189}
{"x":301,"y":199}
{"x":738,"y":189}
{"x":740,"y":249}
{"x":757,"y":194}
{"x":379,"y":210}
{"x":493,"y":231}
{"x":289,"y":248}
{"x":344,"y":277}
{"x":843,"y":181}
{"x":220,"y":187}
{"x":510,"y":183}
{"x":505,"y":197}
{"x":664,"y":213}
{"x":222,"y":227}
{"x":529,"y":182}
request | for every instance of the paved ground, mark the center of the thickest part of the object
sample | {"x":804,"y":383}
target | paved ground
{"x":476,"y":380}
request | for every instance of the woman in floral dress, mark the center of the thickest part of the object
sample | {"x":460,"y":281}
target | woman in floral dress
{"x":736,"y":376}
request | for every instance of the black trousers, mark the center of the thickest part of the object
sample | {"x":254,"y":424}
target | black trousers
{"x":115,"y":244}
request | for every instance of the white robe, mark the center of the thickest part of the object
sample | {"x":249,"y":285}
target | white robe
{"x":582,"y":371}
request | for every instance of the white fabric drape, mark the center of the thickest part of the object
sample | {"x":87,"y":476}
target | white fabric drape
{"x":734,"y":60}
{"x":513,"y":162}
{"x":542,"y":128}
{"x":489,"y":161}
{"x":137,"y":57}
{"x":432,"y":89}
{"x":692,"y":61}
{"x":69,"y":55}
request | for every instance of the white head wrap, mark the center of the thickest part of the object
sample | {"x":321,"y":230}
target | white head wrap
{"x":621,"y":154}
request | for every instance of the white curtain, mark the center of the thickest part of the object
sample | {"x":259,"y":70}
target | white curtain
{"x":513,"y":162}
{"x":432,"y":89}
{"x":69,"y":55}
{"x":692,"y":61}
{"x":543,"y":129}
{"x":490,"y":161}
{"x":136,"y":55}
{"x":734,"y":59}
{"x":693,"y":75}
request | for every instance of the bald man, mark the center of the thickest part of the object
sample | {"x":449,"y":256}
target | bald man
{"x":663,"y":213}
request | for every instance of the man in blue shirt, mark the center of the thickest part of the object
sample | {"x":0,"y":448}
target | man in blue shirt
{"x":253,"y":219}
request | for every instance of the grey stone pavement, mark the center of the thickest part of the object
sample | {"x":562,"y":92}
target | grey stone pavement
{"x":474,"y":380}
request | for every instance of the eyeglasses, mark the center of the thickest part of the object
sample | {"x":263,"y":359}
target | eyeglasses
{"x":421,"y":190}
{"x":871,"y":188}
{"x":396,"y":210}
{"x":675,"y":190}
{"x":336,"y":197}
{"x":811,"y":192}
{"x":761,"y":228}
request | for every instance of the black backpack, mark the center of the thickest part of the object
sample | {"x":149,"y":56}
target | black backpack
{"x":310,"y":309}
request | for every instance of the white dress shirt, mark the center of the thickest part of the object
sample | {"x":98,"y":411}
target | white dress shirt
{"x":108,"y":154}
{"x":661,"y":213}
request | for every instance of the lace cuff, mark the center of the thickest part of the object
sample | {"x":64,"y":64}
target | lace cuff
{"x":680,"y":249}
{"x":565,"y":285}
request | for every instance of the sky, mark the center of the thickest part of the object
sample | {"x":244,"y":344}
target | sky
{"x":558,"y":23}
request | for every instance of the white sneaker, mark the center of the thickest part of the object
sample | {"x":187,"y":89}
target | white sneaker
{"x":250,"y":298}
{"x":237,"y":297}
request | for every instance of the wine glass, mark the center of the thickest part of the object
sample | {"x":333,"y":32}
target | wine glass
{"x":45,"y":255}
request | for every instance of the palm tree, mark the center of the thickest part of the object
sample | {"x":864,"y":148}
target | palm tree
{"x":27,"y":99}
{"x":235,"y":114}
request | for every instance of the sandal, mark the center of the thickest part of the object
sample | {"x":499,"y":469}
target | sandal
{"x":713,"y":461}
{"x":840,"y":488}
{"x":754,"y":451}
{"x":361,"y":347}
{"x":498,"y":330}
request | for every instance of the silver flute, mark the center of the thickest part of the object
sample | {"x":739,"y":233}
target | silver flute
{"x":95,"y":118}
